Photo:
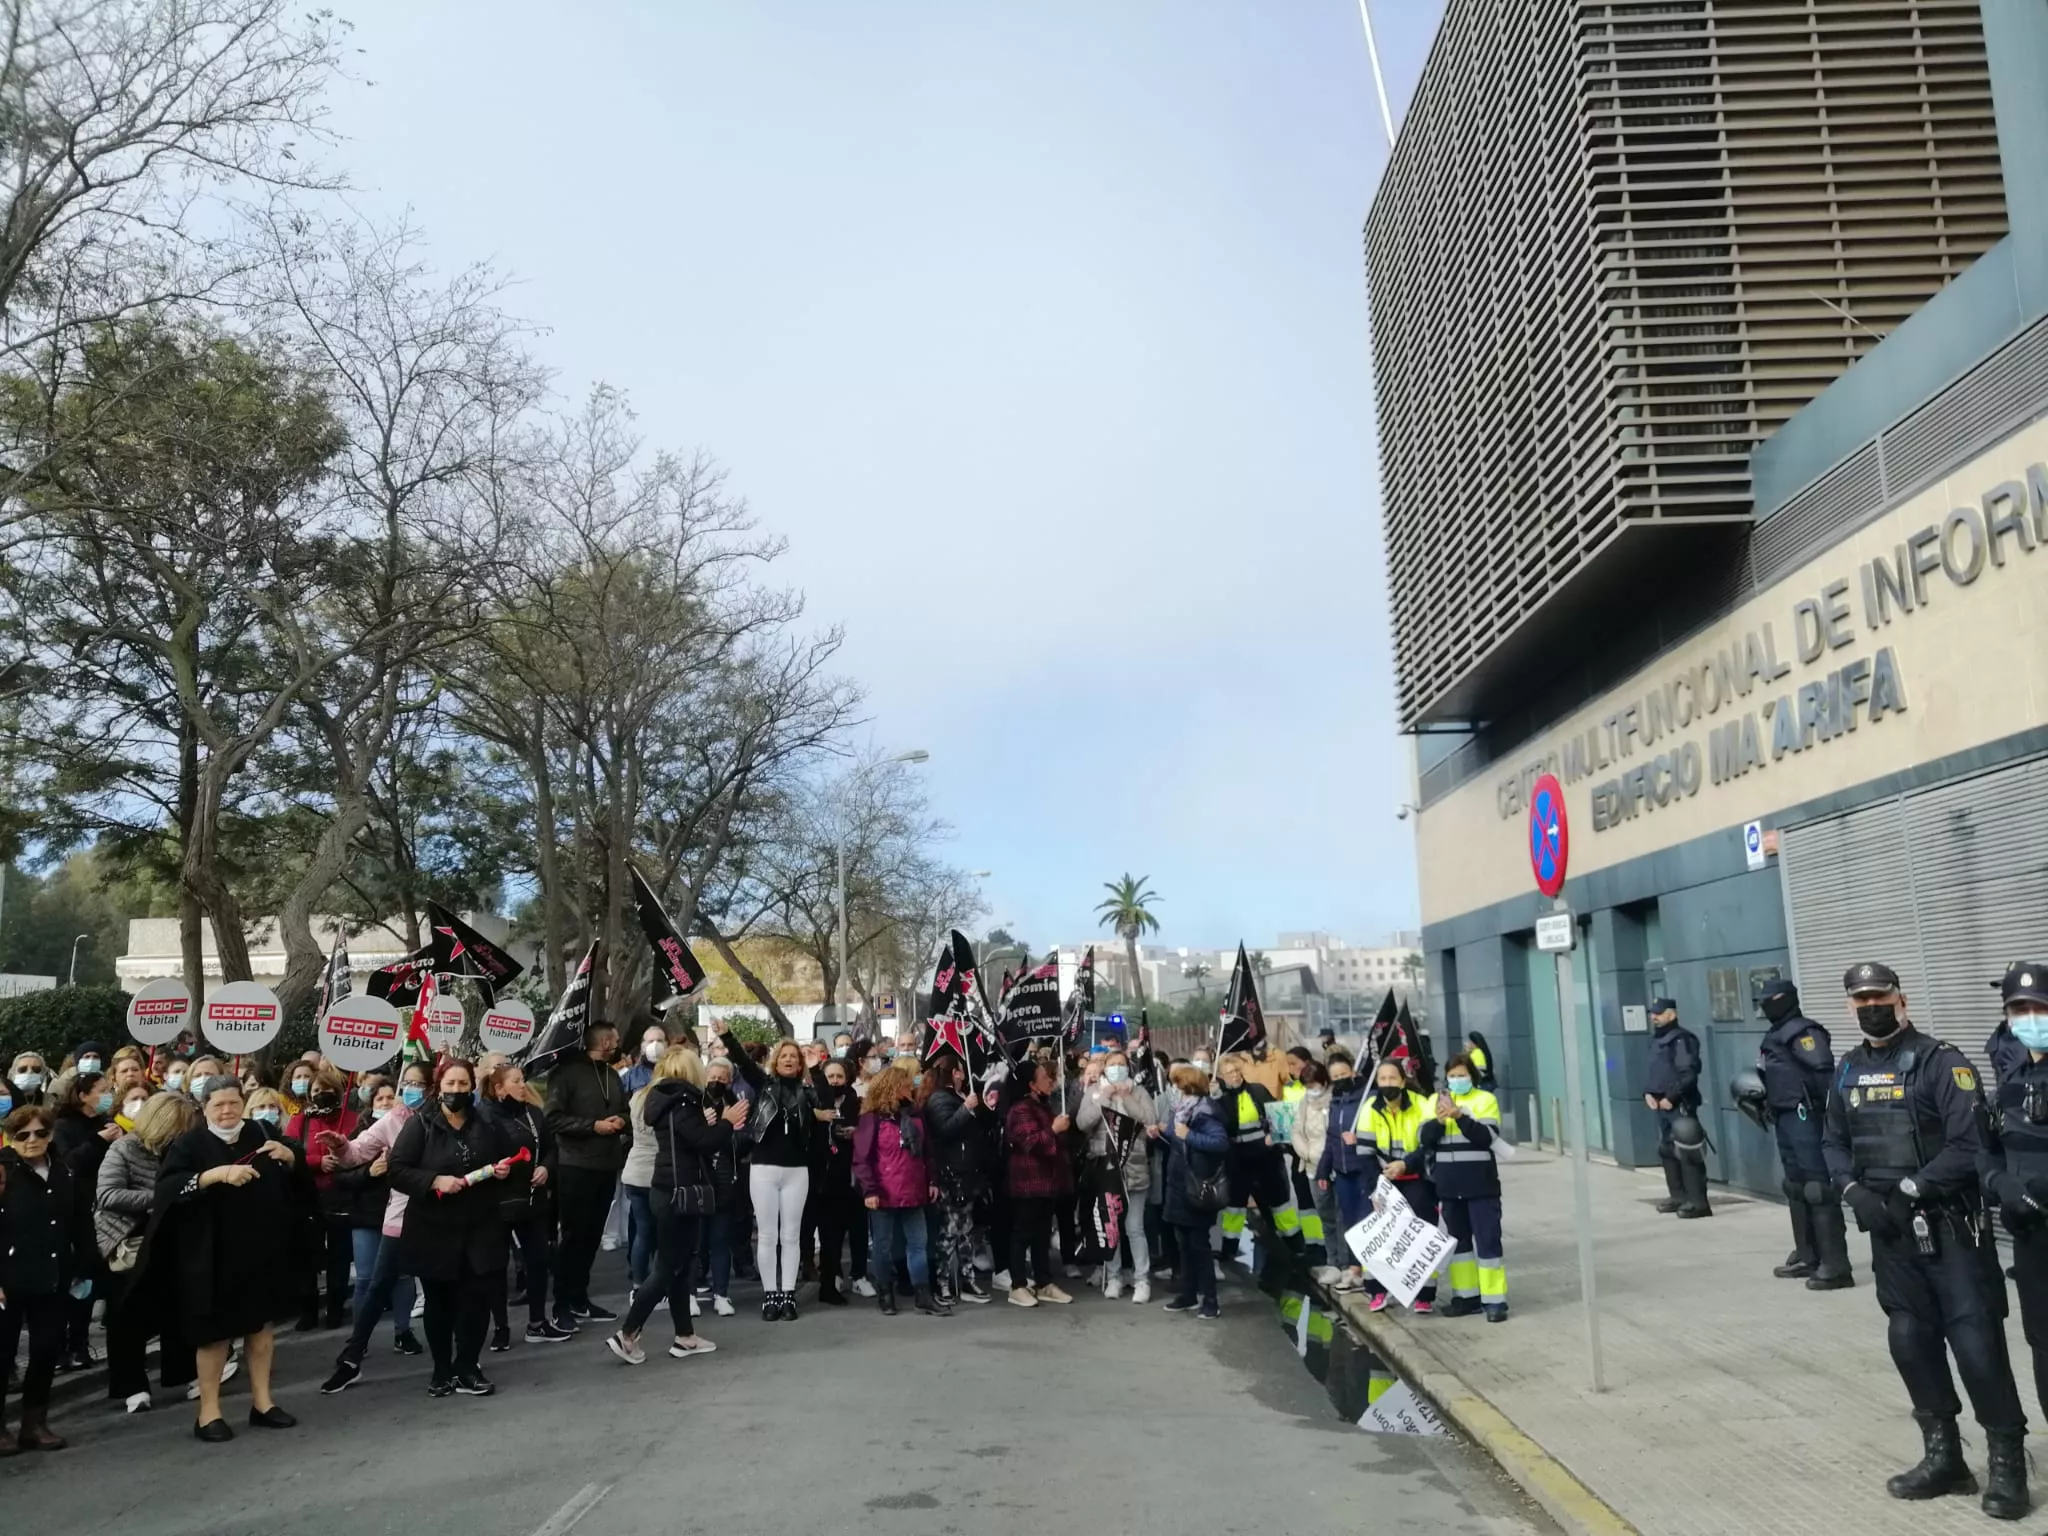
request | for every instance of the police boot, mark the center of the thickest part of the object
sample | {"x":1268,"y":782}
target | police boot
{"x":1941,"y":1470}
{"x":1831,"y":1245}
{"x":1673,"y":1183}
{"x":1799,"y":1263}
{"x":2005,"y":1490}
{"x":1695,"y":1183}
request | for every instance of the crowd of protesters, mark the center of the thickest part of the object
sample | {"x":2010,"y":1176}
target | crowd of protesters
{"x":201,"y":1209}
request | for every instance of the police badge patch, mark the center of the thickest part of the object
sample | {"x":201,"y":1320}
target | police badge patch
{"x":1806,"y":1042}
{"x":1965,"y":1078}
{"x":1855,"y":1098}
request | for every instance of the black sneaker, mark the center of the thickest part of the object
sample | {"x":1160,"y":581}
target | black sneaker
{"x":565,"y":1320}
{"x":347,"y":1373}
{"x":407,"y":1344}
{"x":1177,"y":1305}
{"x":1208,"y":1314}
{"x":441,"y":1386}
{"x":547,"y":1333}
{"x":501,"y":1340}
{"x":474,"y":1384}
{"x":596,"y":1313}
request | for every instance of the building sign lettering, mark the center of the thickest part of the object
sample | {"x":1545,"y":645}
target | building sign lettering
{"x":1634,"y":755}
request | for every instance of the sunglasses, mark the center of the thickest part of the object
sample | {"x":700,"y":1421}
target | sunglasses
{"x":32,"y":1133}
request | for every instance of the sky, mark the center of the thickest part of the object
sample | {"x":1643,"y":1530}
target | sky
{"x":1039,"y":330}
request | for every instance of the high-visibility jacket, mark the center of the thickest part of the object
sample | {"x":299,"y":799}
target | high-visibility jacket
{"x":1393,"y":1133}
{"x":1460,"y":1149}
{"x":1244,"y":1112}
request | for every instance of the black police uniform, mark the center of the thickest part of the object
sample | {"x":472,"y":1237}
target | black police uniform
{"x":1675,"y":1075}
{"x":2015,"y":1175}
{"x":1905,"y":1130}
{"x":1797,"y":1062}
{"x":2007,"y":1056}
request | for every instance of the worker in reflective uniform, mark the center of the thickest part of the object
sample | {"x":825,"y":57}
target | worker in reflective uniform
{"x":1797,"y":1062}
{"x":1458,"y":1149}
{"x":1306,"y":1135}
{"x":1905,"y":1133}
{"x":1672,"y":1088}
{"x":1252,"y":1165}
{"x":1390,"y":1123}
{"x":1481,"y":1057}
{"x":2016,"y":1175}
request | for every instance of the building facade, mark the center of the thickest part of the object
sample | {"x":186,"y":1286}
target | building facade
{"x":1821,"y":736}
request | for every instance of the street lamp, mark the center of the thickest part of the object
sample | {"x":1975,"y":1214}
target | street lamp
{"x":83,"y":938}
{"x":915,"y":755}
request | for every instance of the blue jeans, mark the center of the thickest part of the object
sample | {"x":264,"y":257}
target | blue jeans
{"x":885,"y":1228}
{"x":639,"y":1233}
{"x":374,"y":1252}
{"x":714,"y":1266}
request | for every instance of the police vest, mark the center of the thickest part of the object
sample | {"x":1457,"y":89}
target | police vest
{"x":1787,"y":1085}
{"x":2021,"y":1098}
{"x":1885,"y":1135}
{"x":1393,"y":1134}
{"x":1251,"y":1124}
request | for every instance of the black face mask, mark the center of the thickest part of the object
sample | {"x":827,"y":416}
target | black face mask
{"x":1389,"y":1095}
{"x":1878,"y":1021}
{"x":459,"y":1102}
{"x":1778,"y":1009}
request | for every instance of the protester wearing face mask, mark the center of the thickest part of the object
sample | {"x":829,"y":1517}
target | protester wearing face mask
{"x":451,"y":1164}
{"x":636,"y":1176}
{"x":1119,"y":1120}
{"x":28,"y":1076}
{"x":46,"y":1253}
{"x":1310,"y":1129}
{"x":842,"y":1220}
{"x":1342,"y":1172}
{"x":1257,"y":1174}
{"x":525,"y":1204}
{"x":1458,"y":1149}
{"x":1390,"y":1129}
{"x":1039,"y":1177}
{"x":172,"y":1075}
{"x":652,"y":1047}
{"x":324,"y":1123}
{"x":390,"y":1283}
{"x":140,"y":1298}
{"x":225,"y":1196}
{"x":84,"y":1130}
{"x":1197,"y":1143}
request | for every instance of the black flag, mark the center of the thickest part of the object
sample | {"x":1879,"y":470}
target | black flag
{"x":1080,"y":1006}
{"x":563,"y":1032}
{"x":677,"y":975}
{"x":956,"y":1019}
{"x":458,"y":950}
{"x":1379,"y":1035}
{"x":1031,"y":1009}
{"x":1421,"y":1066}
{"x":399,"y":982}
{"x":1243,"y":1023}
{"x":335,"y":983}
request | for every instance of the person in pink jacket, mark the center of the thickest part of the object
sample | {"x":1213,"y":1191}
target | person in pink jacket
{"x":370,"y":1150}
{"x":892,"y":1163}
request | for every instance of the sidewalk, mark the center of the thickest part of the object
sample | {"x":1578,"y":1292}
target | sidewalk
{"x":1735,"y":1402}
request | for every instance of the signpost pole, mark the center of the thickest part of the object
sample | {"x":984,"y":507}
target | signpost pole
{"x":1582,"y":1195}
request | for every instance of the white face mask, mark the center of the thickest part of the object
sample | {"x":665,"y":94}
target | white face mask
{"x":28,"y":1081}
{"x":229,"y":1134}
{"x":1117,"y":1074}
{"x":653,"y":1050}
{"x":88,"y":1065}
{"x":134,"y":1109}
{"x":174,"y":1081}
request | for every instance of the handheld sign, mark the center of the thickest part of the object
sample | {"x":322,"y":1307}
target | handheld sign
{"x":241,"y":1017}
{"x":160,"y":1012}
{"x":360,"y":1033}
{"x":506,"y":1027}
{"x":445,"y":1023}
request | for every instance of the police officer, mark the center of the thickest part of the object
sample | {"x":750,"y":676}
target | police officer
{"x":1797,"y":1062}
{"x":1672,"y":1089}
{"x":2017,"y":1175}
{"x":2007,"y":1056}
{"x":1905,"y":1131}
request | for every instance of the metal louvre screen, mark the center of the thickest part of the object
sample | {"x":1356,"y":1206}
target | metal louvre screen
{"x":1946,"y":884}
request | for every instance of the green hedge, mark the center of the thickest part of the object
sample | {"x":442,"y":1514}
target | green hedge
{"x":52,"y":1022}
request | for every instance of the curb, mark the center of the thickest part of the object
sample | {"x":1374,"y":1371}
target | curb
{"x":1574,"y":1506}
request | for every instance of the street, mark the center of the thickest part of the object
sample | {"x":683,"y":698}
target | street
{"x":1101,"y":1416}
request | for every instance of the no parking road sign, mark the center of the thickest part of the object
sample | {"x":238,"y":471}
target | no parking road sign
{"x":1550,"y":839}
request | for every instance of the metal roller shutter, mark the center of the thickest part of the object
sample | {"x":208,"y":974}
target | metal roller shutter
{"x":1946,"y":884}
{"x":1980,"y":881}
{"x":1846,"y":901}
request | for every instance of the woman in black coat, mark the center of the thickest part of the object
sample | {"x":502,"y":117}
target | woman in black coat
{"x":688,"y":1136}
{"x":85,"y":1129}
{"x":526,"y":1204}
{"x":450,"y":1163}
{"x":953,"y":1113}
{"x":228,"y":1195}
{"x":46,"y":1247}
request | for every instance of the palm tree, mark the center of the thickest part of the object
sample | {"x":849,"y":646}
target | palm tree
{"x":1260,"y":962}
{"x":1411,"y":969}
{"x":1198,"y":973}
{"x":1126,"y":912}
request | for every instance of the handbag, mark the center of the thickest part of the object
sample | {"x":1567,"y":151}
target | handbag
{"x":692,"y":1200}
{"x":126,"y":1253}
{"x":1206,"y":1192}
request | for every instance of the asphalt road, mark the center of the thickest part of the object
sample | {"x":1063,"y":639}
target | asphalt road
{"x":1101,"y":1417}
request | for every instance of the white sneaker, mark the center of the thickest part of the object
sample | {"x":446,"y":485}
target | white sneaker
{"x":1326,"y":1274}
{"x":695,"y":1310}
{"x":142,"y":1402}
{"x":1141,"y":1293}
{"x":419,"y":1306}
{"x":722,"y":1305}
{"x":626,"y":1349}
{"x":1112,"y":1288}
{"x":1000,"y":1279}
{"x":863,"y":1287}
{"x":1095,"y":1278}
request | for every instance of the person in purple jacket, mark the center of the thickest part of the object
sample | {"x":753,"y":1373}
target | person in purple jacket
{"x":892,"y":1163}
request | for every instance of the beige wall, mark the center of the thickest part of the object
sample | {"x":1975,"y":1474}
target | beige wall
{"x":1973,"y":660}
